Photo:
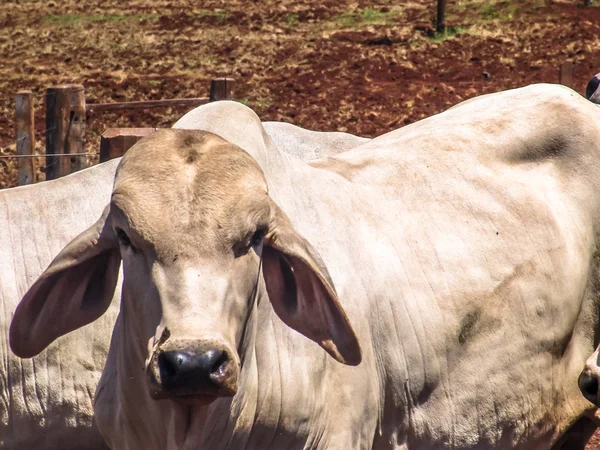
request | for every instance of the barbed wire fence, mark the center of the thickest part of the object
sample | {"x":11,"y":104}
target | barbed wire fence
{"x":67,"y":113}
{"x":66,"y":118}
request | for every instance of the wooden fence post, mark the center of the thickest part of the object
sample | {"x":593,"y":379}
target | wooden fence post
{"x":65,"y":129}
{"x":441,"y":13}
{"x":25,"y":136}
{"x":565,"y":75}
{"x":115,"y":142}
{"x":221,"y":89}
{"x":76,"y":136}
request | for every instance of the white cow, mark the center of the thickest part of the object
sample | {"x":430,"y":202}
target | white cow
{"x":47,"y":402}
{"x":449,"y":269}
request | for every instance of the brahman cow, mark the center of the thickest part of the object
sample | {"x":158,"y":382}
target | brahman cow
{"x":434,"y":288}
{"x":47,"y":402}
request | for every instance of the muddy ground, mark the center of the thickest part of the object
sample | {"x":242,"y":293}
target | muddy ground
{"x":365,"y":67}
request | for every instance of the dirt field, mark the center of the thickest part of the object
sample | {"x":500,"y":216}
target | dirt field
{"x":365,"y":67}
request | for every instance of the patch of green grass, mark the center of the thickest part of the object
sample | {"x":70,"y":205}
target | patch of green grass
{"x":72,"y":19}
{"x":365,"y":16}
{"x":370,"y":15}
{"x":292,"y":20}
{"x":450,"y":32}
{"x":495,"y":11}
{"x":489,"y":11}
{"x":221,"y":16}
{"x":243,"y":101}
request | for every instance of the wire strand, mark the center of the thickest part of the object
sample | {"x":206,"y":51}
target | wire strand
{"x":48,"y":155}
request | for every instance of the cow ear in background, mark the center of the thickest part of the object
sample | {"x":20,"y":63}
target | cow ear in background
{"x":73,"y":291}
{"x":302,"y":293}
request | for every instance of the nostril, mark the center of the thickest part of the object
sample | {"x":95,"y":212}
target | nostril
{"x":214,"y":361}
{"x":167,"y":366}
{"x":588,"y":385}
{"x":174,"y":364}
{"x":220,"y":365}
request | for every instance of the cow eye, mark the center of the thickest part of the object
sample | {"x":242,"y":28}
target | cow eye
{"x":254,"y":241}
{"x":124,"y":239}
{"x":257,"y":238}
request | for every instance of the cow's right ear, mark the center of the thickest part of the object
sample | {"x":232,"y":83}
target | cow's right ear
{"x":74,"y":290}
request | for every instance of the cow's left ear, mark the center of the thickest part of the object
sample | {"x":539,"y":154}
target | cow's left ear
{"x":302,"y":292}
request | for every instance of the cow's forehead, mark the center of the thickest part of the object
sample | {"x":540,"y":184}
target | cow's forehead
{"x":186,"y":166}
{"x":167,"y":153}
{"x":188,"y":181}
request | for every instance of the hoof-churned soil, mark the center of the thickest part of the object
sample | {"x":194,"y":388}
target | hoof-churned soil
{"x":365,"y":67}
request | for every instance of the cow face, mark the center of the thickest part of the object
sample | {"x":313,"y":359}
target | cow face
{"x":197,"y":233}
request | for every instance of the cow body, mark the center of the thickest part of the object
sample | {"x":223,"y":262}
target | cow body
{"x":463,"y":252}
{"x":47,"y":402}
{"x":463,"y":249}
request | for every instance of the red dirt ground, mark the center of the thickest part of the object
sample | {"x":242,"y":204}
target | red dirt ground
{"x":362,"y":66}
{"x":594,"y":442}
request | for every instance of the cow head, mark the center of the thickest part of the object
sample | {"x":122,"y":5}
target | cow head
{"x":194,"y":226}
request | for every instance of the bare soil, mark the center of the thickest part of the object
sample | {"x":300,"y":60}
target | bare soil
{"x":365,"y":67}
{"x":594,"y":442}
{"x":361,"y":66}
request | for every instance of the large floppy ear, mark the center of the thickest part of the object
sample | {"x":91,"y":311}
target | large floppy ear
{"x":75,"y":290}
{"x":302,"y":292}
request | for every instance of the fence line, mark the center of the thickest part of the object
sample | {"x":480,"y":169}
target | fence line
{"x":102,"y":107}
{"x":65,"y":124}
{"x":66,"y":117}
{"x":54,"y":154}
